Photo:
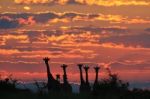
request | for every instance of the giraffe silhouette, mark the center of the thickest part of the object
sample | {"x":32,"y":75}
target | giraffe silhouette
{"x":53,"y":85}
{"x":82,"y":88}
{"x":88,"y":88}
{"x":96,"y":83}
{"x":58,"y":78}
{"x":65,"y":86}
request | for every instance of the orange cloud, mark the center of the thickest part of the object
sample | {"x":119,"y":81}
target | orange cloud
{"x":8,"y":52}
{"x":29,"y":21}
{"x":121,"y":46}
{"x":40,"y":1}
{"x":89,"y":2}
{"x":111,"y":18}
{"x":121,"y":19}
{"x":114,"y":2}
{"x":26,"y":8}
{"x":56,"y":20}
{"x":31,"y":1}
{"x":138,"y":21}
{"x":18,"y":37}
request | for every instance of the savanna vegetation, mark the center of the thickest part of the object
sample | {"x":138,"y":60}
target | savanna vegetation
{"x":111,"y":88}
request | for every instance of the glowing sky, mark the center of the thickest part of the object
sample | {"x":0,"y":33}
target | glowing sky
{"x":111,"y":33}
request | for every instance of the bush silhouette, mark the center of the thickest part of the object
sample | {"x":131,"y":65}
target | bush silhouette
{"x":8,"y":84}
{"x":111,"y":85}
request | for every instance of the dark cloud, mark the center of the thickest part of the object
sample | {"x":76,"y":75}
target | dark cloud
{"x":73,"y":15}
{"x":50,"y":2}
{"x":73,"y":2}
{"x":21,"y":66}
{"x":41,"y":17}
{"x":91,"y":16}
{"x":130,"y":66}
{"x":45,"y":17}
{"x":141,"y":40}
{"x":148,"y":29}
{"x":17,"y":15}
{"x":13,"y":20}
{"x":100,"y":29}
{"x":6,"y":23}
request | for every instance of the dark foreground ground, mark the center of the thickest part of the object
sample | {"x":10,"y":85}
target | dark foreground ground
{"x":137,"y":94}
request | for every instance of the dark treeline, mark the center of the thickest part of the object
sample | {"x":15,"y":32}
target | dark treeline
{"x":111,"y":88}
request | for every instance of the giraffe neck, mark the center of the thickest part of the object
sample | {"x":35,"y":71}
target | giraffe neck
{"x":81,"y":76}
{"x":87,"y":81}
{"x":48,"y":70}
{"x":96,"y":78}
{"x":65,"y":76}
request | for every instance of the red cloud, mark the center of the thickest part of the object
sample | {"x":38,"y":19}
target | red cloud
{"x":29,"y":21}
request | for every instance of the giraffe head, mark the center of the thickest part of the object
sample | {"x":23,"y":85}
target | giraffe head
{"x":64,"y":66}
{"x":57,"y":77}
{"x":96,"y":68}
{"x":80,"y":66}
{"x":46,"y":59}
{"x":86,"y":67}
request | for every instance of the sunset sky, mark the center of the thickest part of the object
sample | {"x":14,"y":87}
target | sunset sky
{"x":110,"y":33}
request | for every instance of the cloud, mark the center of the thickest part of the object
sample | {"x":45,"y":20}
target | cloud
{"x":45,"y":17}
{"x":52,"y":18}
{"x":86,"y":2}
{"x":27,"y":8}
{"x":8,"y":23}
{"x":73,"y":2}
{"x":147,"y":29}
{"x":8,"y":52}
{"x":62,"y":2}
{"x":114,"y":2}
{"x":31,"y":1}
{"x":11,"y":21}
{"x":107,"y":37}
{"x":29,"y":21}
{"x":21,"y":66}
{"x":137,"y":40}
{"x":101,"y":29}
{"x":129,"y":66}
{"x":129,"y":71}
